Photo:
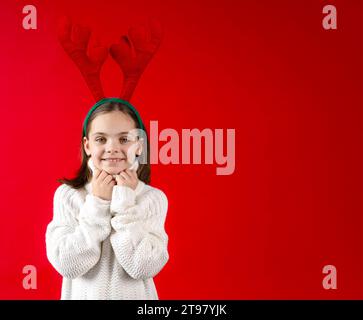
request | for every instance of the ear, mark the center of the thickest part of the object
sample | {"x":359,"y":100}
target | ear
{"x":86,"y":146}
{"x":140,"y":147}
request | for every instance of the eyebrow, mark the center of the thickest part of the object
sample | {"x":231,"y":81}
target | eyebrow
{"x":102,"y":133}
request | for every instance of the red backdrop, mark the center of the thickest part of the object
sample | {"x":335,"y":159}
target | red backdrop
{"x":290,"y":89}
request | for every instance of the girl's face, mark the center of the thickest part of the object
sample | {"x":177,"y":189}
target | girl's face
{"x":108,"y":138}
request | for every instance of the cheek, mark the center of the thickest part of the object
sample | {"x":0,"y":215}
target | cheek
{"x":99,"y":162}
{"x":130,"y":152}
{"x":97,"y":153}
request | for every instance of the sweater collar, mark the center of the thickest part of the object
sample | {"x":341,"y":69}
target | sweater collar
{"x":139,"y":187}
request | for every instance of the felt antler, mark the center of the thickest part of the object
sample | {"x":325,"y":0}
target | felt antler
{"x":89,"y":58}
{"x":134,"y":52}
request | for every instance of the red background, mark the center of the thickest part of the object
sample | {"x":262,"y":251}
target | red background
{"x":293,"y":92}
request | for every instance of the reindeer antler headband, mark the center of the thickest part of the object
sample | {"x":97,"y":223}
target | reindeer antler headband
{"x":132,"y":54}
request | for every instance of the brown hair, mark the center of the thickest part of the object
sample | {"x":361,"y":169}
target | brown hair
{"x":84,"y":174}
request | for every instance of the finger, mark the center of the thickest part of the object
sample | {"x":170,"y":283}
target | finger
{"x":108,"y":179}
{"x":127,"y":173}
{"x":102,"y":175}
{"x":133,"y":173}
{"x":113,"y":182}
{"x":130,"y":173}
{"x":97,"y":172}
{"x":124,"y":175}
{"x":119,"y":180}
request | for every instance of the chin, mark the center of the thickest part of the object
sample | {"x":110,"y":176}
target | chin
{"x":111,"y":170}
{"x":114,"y":170}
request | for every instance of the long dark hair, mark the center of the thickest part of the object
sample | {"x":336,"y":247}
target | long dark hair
{"x":84,"y":174}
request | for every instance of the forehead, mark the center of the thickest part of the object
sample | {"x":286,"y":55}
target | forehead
{"x":112,"y":123}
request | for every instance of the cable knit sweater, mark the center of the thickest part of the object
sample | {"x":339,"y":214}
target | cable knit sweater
{"x":108,"y":249}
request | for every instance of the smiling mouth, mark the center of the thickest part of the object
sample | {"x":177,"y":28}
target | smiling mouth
{"x":112,"y":160}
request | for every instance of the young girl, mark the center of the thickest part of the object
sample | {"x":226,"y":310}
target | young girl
{"x":107,"y":236}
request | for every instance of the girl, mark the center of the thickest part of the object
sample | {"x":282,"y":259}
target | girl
{"x":107,"y":236}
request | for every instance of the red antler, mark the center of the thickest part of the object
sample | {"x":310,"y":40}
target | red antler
{"x":88,"y":58}
{"x":134,"y":52}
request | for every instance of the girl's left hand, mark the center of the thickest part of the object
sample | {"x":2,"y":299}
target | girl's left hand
{"x":127,"y":178}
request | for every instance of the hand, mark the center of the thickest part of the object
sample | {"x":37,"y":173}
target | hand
{"x":127,"y":178}
{"x":102,"y":184}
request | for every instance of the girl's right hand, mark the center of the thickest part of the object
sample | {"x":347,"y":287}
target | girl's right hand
{"x":102,"y":184}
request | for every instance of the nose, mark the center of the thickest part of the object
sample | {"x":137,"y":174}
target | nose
{"x":113,"y":146}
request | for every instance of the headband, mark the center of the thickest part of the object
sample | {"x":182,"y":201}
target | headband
{"x":105,"y":100}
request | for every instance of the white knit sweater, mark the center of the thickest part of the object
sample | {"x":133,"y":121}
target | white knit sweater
{"x":108,"y":249}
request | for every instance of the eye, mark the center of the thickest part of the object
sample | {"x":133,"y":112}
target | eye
{"x":99,"y":139}
{"x":124,"y":140}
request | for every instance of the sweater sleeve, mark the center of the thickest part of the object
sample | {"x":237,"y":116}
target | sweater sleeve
{"x":138,"y":237}
{"x":73,"y":242}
